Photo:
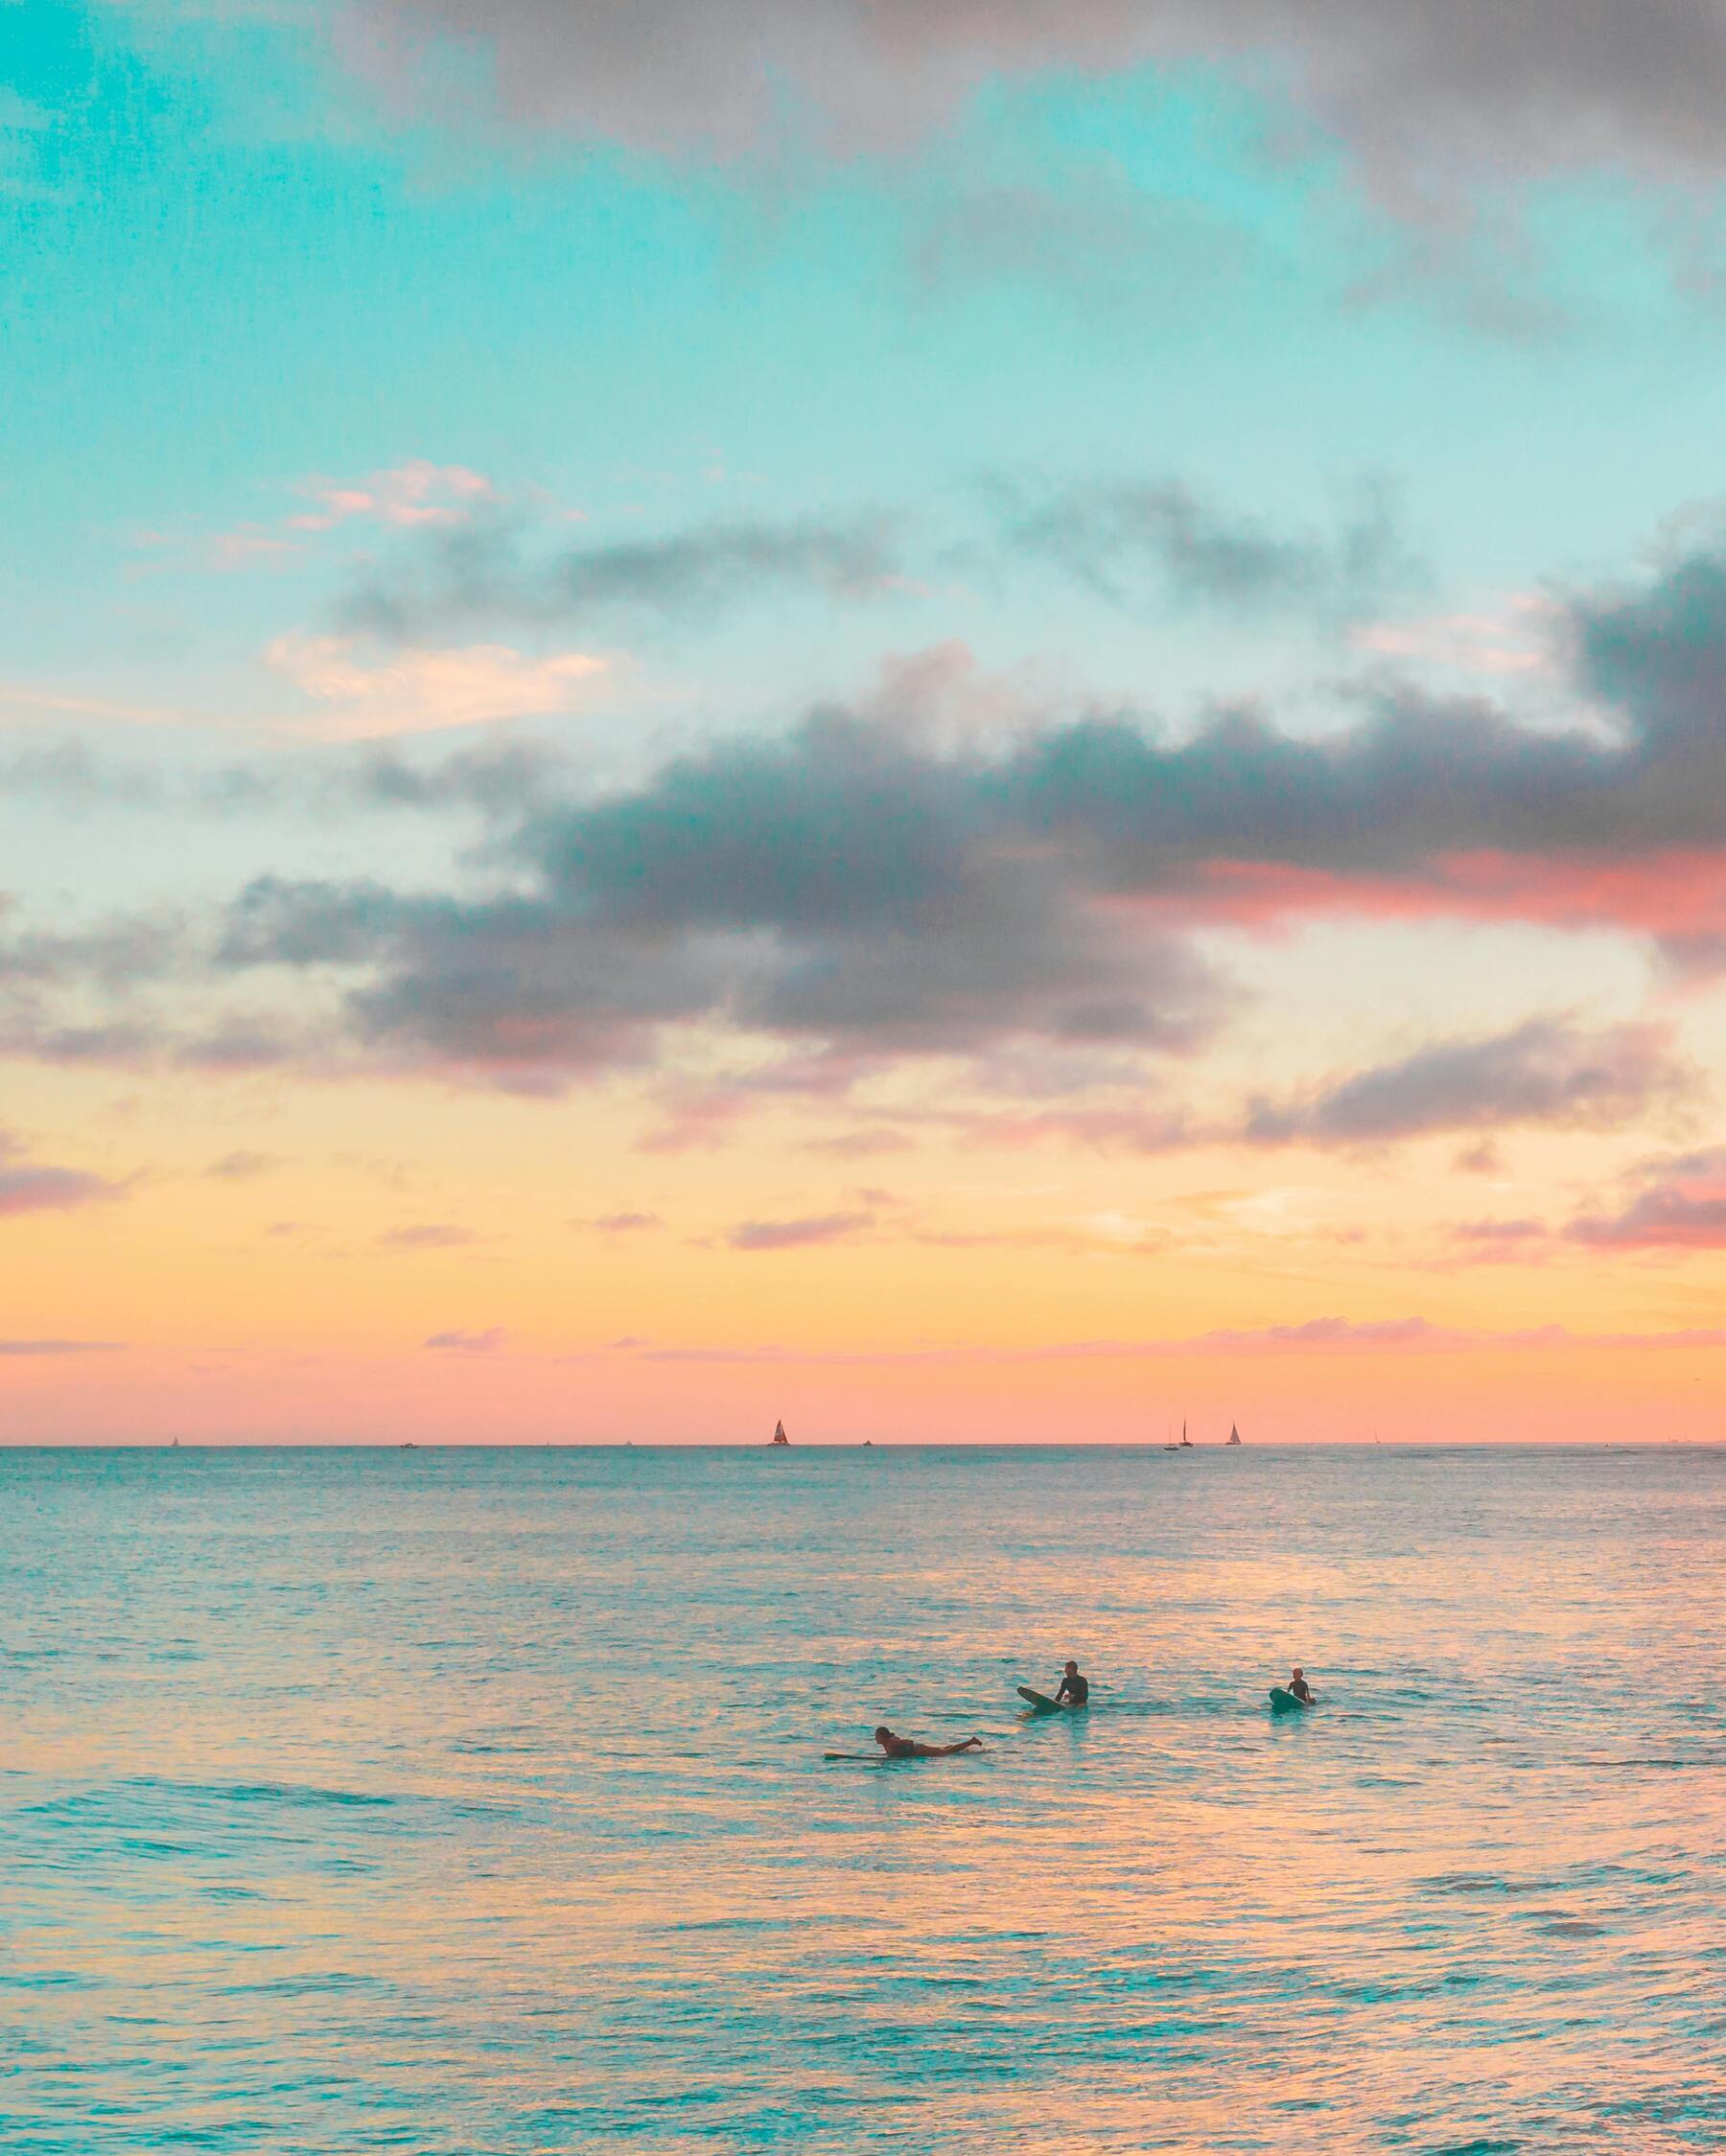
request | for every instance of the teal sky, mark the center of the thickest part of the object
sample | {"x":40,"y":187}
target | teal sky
{"x":231,"y":271}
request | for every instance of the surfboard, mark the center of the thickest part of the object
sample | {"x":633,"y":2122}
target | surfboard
{"x":1037,"y":1701}
{"x":1281,"y":1702}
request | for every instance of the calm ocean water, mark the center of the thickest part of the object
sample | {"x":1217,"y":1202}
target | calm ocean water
{"x":472,"y":1802}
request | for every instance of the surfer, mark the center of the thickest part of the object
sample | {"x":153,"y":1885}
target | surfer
{"x":1300,"y":1689}
{"x":1075,"y":1690}
{"x":908,"y":1748}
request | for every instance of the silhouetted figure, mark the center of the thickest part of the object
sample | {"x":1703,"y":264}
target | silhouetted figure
{"x":908,"y":1748}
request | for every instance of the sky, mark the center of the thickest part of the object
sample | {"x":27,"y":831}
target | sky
{"x":958,"y":719}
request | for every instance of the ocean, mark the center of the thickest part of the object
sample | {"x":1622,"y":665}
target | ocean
{"x":472,"y":1802}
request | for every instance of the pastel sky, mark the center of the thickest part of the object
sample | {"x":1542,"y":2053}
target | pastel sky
{"x":954,"y":718}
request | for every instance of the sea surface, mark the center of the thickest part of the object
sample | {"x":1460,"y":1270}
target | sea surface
{"x":472,"y":1801}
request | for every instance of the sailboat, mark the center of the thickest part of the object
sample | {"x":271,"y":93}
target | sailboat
{"x":1186,"y":1444}
{"x":1234,"y":1435}
{"x":778,"y":1434}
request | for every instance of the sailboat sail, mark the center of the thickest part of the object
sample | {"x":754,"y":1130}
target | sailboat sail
{"x":778,"y":1434}
{"x":1234,"y":1435}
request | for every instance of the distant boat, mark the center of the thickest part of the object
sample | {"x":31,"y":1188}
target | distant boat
{"x":1186,"y":1444}
{"x":1234,"y":1435}
{"x":778,"y":1434}
{"x":409,"y":1445}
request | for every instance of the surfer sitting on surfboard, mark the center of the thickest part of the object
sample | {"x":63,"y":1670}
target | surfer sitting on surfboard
{"x":1300,"y":1689}
{"x":908,"y":1748}
{"x":1074,"y":1690}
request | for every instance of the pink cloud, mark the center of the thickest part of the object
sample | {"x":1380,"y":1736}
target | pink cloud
{"x":1682,"y":1208}
{"x":1676,"y":893}
{"x":404,"y":498}
{"x":28,"y":1186}
{"x":359,"y":695}
{"x":1515,"y":639}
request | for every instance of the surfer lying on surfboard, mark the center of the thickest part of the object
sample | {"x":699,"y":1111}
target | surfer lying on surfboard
{"x":908,"y":1748}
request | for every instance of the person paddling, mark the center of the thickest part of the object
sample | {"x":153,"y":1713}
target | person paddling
{"x":1074,"y":1690}
{"x":908,"y":1748}
{"x":1300,"y":1689}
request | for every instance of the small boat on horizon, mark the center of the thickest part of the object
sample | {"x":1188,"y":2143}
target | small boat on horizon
{"x":1234,"y":1435}
{"x":779,"y":1436}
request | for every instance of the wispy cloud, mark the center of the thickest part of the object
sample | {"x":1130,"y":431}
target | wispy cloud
{"x":1130,"y":541}
{"x":414,"y":496}
{"x":28,"y":1186}
{"x":240,"y":1167}
{"x":1682,"y":1207}
{"x":407,"y":497}
{"x":517,"y":566}
{"x":429,"y":1235}
{"x":61,"y":1347}
{"x":487,"y":1342}
{"x":1311,"y":1339}
{"x":800,"y":1233}
{"x":1545,"y":1071}
{"x":1517,"y":641}
{"x":359,"y":695}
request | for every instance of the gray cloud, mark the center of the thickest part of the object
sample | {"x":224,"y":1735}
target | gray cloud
{"x":1546,"y":1071}
{"x":625,"y":1223}
{"x":836,"y":885}
{"x":1423,"y":96}
{"x":431,"y":1235}
{"x":1126,"y":540}
{"x":797,"y":1235}
{"x":1132,"y":543}
{"x":861,"y":894}
{"x":496,"y":568}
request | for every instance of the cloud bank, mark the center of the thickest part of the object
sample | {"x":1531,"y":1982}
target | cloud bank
{"x":1414,"y":92}
{"x":858,"y":891}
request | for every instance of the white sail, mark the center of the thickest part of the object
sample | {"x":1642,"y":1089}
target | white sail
{"x":778,"y":1434}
